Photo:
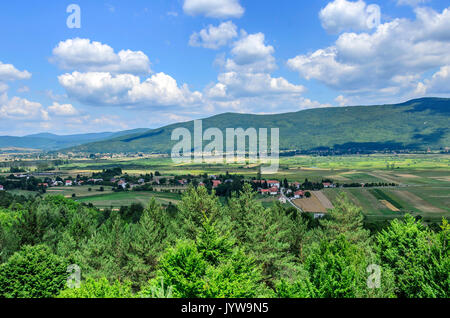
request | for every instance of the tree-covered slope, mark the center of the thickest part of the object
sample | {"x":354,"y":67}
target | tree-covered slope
{"x":47,"y":141}
{"x":417,"y":124}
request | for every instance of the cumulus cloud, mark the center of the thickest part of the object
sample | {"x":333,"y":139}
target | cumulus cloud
{"x":214,"y":37}
{"x":9,"y":73}
{"x":439,"y":83}
{"x":86,"y":55}
{"x":236,"y":85}
{"x":342,"y":100}
{"x":389,"y":61}
{"x":343,"y":15}
{"x":246,"y":82}
{"x":306,"y":103}
{"x":103,"y":88}
{"x":62,"y":110}
{"x":21,"y":109}
{"x":251,"y":54}
{"x":214,"y":8}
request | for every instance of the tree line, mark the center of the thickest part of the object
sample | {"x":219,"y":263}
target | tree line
{"x":205,"y":248}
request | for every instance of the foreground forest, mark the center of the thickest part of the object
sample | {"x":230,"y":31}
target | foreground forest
{"x":203,"y":248}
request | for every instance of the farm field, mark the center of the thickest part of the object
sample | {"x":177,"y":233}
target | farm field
{"x":423,"y":181}
{"x":118,"y":199}
{"x":317,"y":203}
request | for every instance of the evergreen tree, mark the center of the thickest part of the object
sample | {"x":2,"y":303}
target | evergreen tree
{"x":419,"y":258}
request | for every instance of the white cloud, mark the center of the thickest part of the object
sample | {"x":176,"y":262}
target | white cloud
{"x":103,"y":88}
{"x":388,"y":62}
{"x":343,"y":15}
{"x":342,"y":100}
{"x":246,"y":83}
{"x":84,"y":55}
{"x":214,"y":8}
{"x":214,"y":37}
{"x":236,"y":85}
{"x":62,"y":110}
{"x":9,"y":73}
{"x":3,"y":87}
{"x":439,"y":83}
{"x":20,"y":108}
{"x":306,"y":103}
{"x":251,"y":54}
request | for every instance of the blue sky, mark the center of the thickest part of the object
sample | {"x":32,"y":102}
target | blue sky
{"x":150,"y":63}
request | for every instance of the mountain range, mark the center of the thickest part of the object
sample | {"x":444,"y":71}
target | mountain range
{"x":416,"y":124}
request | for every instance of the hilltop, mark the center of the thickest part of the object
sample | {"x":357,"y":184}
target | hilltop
{"x":416,"y":124}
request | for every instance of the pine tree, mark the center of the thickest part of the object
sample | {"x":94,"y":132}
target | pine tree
{"x":346,"y":219}
{"x":195,"y":204}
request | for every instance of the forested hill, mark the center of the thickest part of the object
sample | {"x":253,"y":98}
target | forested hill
{"x":416,"y":124}
{"x":47,"y":141}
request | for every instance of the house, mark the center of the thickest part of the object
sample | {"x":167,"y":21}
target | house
{"x":328,"y":185}
{"x":282,"y":199}
{"x":216,"y":183}
{"x":122,"y":184}
{"x":68,"y":183}
{"x":264,"y":191}
{"x":141,"y":181}
{"x":201,"y":184}
{"x":183,"y":182}
{"x":45,"y":185}
{"x":273,"y":183}
{"x":299,"y":194}
{"x":2,"y":188}
{"x":296,"y":185}
{"x":273,"y":191}
{"x":95,"y":180}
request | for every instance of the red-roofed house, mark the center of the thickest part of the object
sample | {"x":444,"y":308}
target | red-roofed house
{"x":265,"y":191}
{"x":273,"y":183}
{"x":122,"y":184}
{"x":328,"y":185}
{"x":216,"y":183}
{"x":68,"y":183}
{"x":299,"y":194}
{"x":273,"y":191}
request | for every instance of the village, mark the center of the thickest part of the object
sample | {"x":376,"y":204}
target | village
{"x":304,"y":196}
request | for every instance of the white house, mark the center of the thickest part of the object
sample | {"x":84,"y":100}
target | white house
{"x":273,"y":191}
{"x":273,"y":183}
{"x":1,"y":188}
{"x":69,"y":183}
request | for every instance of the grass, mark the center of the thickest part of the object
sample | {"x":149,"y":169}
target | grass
{"x":426,"y":176}
{"x":118,"y":199}
{"x":382,"y":195}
